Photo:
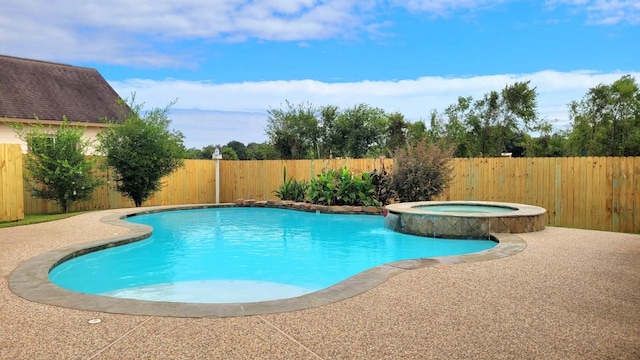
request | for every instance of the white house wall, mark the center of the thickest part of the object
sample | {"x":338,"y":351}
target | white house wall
{"x":9,"y":136}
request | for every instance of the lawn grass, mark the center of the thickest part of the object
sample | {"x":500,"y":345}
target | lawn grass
{"x":34,"y":219}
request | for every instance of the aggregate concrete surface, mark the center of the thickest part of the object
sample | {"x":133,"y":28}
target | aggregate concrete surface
{"x":571,"y":294}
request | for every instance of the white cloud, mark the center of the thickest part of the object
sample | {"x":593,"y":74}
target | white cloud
{"x":144,"y":33}
{"x":132,"y":32}
{"x":604,"y":12}
{"x":239,"y":110}
{"x":445,"y":7}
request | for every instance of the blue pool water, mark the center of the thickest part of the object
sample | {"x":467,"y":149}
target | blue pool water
{"x":225,"y":255}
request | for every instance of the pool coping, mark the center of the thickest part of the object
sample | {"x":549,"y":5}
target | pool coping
{"x":518,"y":209}
{"x":30,"y":280}
{"x":418,"y":218}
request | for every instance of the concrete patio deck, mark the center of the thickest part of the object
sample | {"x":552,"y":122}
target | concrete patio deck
{"x":571,"y":294}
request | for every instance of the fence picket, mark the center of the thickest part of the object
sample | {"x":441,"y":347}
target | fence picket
{"x":586,"y":192}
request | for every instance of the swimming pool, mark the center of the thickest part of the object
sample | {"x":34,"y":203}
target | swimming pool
{"x":230,"y":255}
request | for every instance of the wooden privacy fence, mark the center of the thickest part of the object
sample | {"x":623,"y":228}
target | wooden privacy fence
{"x":600,"y":193}
{"x":258,"y":179}
{"x":11,"y":185}
{"x":192,"y":184}
{"x":195,"y":183}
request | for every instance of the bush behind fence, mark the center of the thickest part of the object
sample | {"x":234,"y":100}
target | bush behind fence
{"x":601,"y":193}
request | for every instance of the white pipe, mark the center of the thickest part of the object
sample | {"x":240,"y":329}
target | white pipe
{"x":217,"y":156}
{"x":217,"y":181}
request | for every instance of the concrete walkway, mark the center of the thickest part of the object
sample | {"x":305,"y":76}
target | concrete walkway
{"x":571,"y":294}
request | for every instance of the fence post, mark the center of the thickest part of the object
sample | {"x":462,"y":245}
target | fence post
{"x":216,"y":157}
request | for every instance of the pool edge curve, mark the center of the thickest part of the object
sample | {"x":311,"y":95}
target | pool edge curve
{"x":30,"y":280}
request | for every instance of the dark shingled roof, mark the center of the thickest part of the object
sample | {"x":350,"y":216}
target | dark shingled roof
{"x":49,"y":91}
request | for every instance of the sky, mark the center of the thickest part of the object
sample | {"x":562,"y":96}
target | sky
{"x":227,"y":62}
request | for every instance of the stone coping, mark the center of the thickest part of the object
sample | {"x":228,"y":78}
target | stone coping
{"x":416,"y":218}
{"x":518,"y":209}
{"x":304,"y":206}
{"x":31,"y":279}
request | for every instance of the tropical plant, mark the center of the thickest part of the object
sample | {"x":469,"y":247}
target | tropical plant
{"x":291,"y":189}
{"x":322,"y":188}
{"x":365,"y":190}
{"x":57,"y":166}
{"x":342,"y":187}
{"x":346,"y":191}
{"x":355,"y":190}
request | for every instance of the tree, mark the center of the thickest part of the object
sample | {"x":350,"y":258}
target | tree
{"x":362,"y":130}
{"x":436,"y":131}
{"x":204,"y":153}
{"x":56,"y":164}
{"x":239,"y":149}
{"x":547,"y":145}
{"x":293,"y":131}
{"x":262,"y":151}
{"x":330,"y":142}
{"x":142,"y":150}
{"x":606,"y":122}
{"x":494,"y":124}
{"x":396,"y":133}
{"x":207,"y":151}
{"x":416,"y":131}
{"x":483,"y":124}
{"x":518,"y":112}
{"x":193,"y":153}
{"x":228,"y":153}
{"x":462,"y":127}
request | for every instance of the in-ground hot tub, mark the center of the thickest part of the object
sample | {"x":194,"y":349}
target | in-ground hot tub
{"x":463,"y":219}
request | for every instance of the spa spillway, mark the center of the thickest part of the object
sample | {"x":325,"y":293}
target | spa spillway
{"x":463,"y":219}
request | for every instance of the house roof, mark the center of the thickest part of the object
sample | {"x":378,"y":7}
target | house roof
{"x":31,"y":89}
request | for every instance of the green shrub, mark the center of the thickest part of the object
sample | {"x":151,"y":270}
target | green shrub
{"x":56,"y":166}
{"x":292,"y":189}
{"x":346,"y":191}
{"x":342,"y":187}
{"x":420,"y":172}
{"x":322,"y":188}
{"x":142,"y":150}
